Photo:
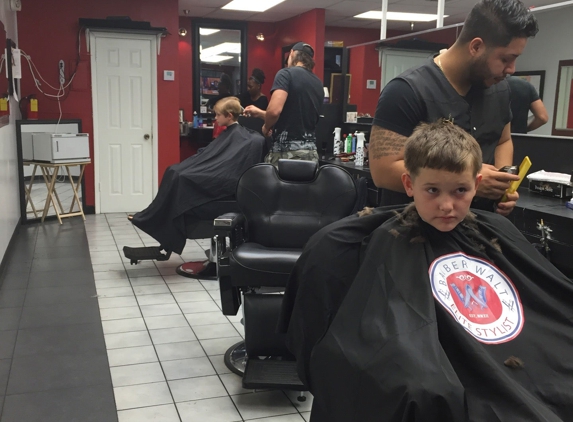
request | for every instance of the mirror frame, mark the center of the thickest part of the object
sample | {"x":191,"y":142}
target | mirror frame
{"x":554,"y":130}
{"x":196,"y":64}
{"x":23,"y":209}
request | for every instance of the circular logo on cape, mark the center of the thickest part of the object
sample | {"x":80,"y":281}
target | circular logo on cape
{"x":479,"y":296}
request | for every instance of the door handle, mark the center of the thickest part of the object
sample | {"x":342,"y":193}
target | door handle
{"x":146,"y":137}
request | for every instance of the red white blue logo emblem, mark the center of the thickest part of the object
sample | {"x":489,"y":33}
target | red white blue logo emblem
{"x":480,"y":297}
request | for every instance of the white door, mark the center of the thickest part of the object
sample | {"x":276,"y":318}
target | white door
{"x":394,"y":62}
{"x":123,"y":75}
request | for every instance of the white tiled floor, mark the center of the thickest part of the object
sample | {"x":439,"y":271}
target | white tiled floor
{"x":166,"y":337}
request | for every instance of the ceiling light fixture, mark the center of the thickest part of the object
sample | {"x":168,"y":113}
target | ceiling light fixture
{"x":215,"y":59}
{"x":208,"y":31}
{"x":260,"y":36}
{"x":399,"y":16}
{"x":251,"y":5}
{"x":182,"y":32}
{"x":186,"y":11}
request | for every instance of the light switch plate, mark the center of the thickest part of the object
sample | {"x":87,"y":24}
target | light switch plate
{"x":168,"y":75}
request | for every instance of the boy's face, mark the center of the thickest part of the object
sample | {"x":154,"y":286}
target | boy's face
{"x":224,"y":120}
{"x":442,"y":198}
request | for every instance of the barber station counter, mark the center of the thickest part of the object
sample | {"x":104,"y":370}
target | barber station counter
{"x":531,"y":209}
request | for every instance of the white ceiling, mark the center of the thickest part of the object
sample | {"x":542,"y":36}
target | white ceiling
{"x":340,"y":13}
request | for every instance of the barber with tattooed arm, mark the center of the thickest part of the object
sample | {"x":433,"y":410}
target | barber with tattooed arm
{"x":466,"y":85}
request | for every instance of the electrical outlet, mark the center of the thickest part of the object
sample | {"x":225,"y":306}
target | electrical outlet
{"x":62,"y":68}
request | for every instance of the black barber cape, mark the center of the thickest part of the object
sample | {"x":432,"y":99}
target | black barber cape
{"x":434,"y":327}
{"x":209,"y":175}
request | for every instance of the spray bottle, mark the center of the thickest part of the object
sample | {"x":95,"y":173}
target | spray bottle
{"x":337,"y":143}
{"x":348,"y":148}
{"x":359,"y":157}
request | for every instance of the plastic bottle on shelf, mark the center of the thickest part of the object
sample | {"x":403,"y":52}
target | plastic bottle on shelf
{"x":359,"y":157}
{"x":200,"y":121}
{"x":336,"y":148}
{"x":195,"y":120}
{"x":348,"y":148}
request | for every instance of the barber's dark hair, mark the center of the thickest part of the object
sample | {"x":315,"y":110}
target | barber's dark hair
{"x":304,"y":58}
{"x":441,"y":146}
{"x":258,"y":76}
{"x":497,"y":22}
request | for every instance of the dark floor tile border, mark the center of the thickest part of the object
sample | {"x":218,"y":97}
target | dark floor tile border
{"x":8,"y":252}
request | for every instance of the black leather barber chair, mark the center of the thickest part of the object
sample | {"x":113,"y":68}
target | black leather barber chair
{"x":199,"y":225}
{"x":257,"y":249}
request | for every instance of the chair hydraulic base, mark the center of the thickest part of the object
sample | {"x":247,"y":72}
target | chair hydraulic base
{"x":145,"y":253}
{"x":205,"y":270}
{"x":236,"y":358}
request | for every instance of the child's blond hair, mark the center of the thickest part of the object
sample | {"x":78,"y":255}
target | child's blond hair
{"x":229,"y":105}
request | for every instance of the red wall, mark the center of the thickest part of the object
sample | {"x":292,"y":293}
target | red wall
{"x":307,"y":27}
{"x":364,"y":65}
{"x":48,"y":34}
{"x":262,"y":54}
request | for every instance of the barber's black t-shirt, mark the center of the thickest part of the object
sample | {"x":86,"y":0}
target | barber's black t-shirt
{"x":423,"y":94}
{"x":295,"y":127}
{"x":522,"y":95}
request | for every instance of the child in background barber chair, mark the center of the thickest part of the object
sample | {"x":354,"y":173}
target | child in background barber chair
{"x":442,"y":163}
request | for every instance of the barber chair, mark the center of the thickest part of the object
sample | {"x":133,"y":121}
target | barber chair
{"x":257,"y":250}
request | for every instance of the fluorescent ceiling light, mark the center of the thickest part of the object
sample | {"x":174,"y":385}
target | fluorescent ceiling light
{"x":399,"y":16}
{"x":208,"y":31}
{"x":215,"y":59}
{"x":226,"y":47}
{"x":252,"y":5}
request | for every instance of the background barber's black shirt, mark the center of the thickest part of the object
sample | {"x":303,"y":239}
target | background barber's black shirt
{"x":295,"y":127}
{"x":423,"y":94}
{"x":522,"y":95}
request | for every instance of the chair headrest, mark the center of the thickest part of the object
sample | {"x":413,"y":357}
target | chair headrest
{"x":297,"y":170}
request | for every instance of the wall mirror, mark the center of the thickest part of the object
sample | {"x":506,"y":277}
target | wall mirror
{"x":373,"y":64}
{"x":219,"y":53}
{"x":542,"y":56}
{"x":563,"y":115}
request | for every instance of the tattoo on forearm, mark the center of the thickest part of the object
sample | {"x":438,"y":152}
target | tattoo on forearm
{"x":385,"y":142}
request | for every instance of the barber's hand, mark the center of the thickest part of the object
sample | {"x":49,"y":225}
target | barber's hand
{"x":505,"y":208}
{"x":494,"y":183}
{"x":266,"y":131}
{"x":252,"y":111}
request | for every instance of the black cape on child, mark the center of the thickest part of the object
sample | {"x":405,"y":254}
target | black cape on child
{"x":209,"y":175}
{"x":468,"y":325}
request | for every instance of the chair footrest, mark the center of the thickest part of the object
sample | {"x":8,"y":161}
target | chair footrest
{"x":145,"y":253}
{"x":269,"y":373}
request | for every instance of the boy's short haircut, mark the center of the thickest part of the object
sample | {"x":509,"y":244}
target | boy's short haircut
{"x":442,"y":146}
{"x":229,"y":105}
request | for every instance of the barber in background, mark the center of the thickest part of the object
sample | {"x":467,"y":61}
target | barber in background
{"x":254,"y":96}
{"x":524,"y":98}
{"x":294,"y":108}
{"x":467,"y":85}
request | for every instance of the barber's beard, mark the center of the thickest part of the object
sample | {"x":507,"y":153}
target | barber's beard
{"x":479,"y":72}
